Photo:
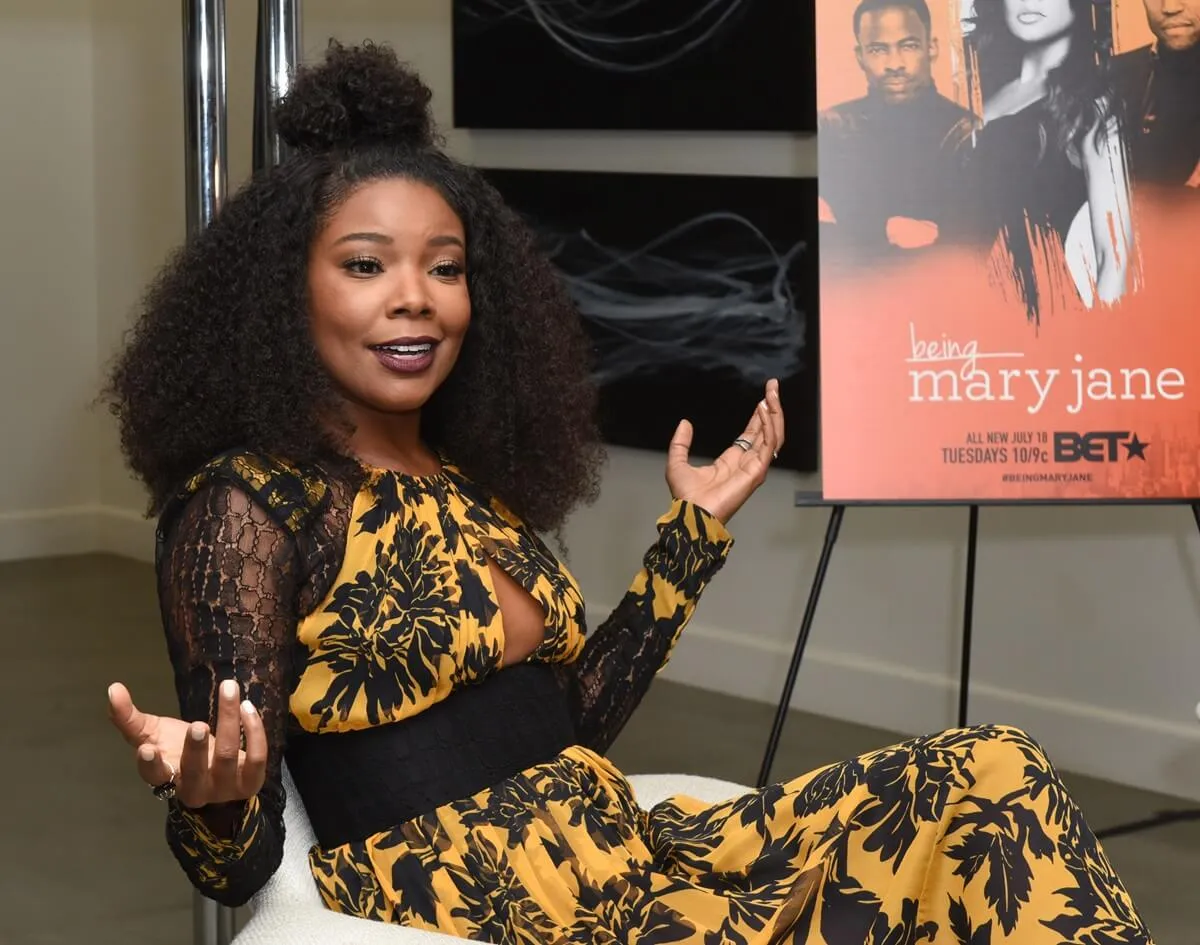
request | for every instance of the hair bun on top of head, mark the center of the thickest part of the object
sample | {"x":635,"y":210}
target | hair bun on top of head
{"x":359,"y":95}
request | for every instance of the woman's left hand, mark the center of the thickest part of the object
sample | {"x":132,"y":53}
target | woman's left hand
{"x":721,"y":488}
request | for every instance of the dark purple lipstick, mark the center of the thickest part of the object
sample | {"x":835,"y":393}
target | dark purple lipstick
{"x":406,"y":355}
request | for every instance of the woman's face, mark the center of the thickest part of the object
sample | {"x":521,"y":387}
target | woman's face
{"x":388,"y":299}
{"x":1037,"y":21}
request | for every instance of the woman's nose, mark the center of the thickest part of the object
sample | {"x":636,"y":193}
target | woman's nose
{"x":411,"y":298}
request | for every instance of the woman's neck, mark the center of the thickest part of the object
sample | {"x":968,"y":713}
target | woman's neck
{"x":390,"y":441}
{"x":1040,"y":59}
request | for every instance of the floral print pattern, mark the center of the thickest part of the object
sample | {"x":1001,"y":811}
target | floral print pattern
{"x":967,"y":837}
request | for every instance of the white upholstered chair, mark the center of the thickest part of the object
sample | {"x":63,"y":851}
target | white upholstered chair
{"x":288,"y":910}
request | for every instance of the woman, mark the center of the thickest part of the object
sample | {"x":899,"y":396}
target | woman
{"x":1050,"y":154}
{"x":356,"y":398}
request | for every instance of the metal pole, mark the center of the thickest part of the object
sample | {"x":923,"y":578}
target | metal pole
{"x":212,"y":923}
{"x":274,"y":68}
{"x":204,"y":920}
{"x":206,"y":179}
{"x":206,"y":161}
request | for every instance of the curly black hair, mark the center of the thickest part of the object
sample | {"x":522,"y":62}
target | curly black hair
{"x":221,"y":356}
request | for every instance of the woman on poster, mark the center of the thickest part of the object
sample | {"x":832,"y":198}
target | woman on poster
{"x":1050,"y":162}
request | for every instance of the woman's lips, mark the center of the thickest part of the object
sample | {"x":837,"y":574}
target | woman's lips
{"x":405,"y":359}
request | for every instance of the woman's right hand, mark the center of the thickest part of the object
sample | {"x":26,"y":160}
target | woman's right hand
{"x":207,"y":768}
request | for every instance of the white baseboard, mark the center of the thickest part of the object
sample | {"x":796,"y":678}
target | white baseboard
{"x":44,"y":533}
{"x":75,"y":530}
{"x":127,"y":533}
{"x":1140,"y":751}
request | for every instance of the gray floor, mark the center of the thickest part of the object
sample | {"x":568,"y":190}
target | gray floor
{"x":83,"y":837}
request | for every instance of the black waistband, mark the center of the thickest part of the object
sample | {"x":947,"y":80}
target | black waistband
{"x":356,"y":784}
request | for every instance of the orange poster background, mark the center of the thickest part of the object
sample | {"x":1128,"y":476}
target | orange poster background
{"x":878,"y":444}
{"x":1130,"y":29}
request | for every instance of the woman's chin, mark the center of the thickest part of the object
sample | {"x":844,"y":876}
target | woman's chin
{"x":406,"y":407}
{"x":389,"y":403}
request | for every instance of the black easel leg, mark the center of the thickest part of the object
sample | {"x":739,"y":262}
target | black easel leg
{"x":964,"y":679}
{"x":1196,"y":513}
{"x":810,"y":613}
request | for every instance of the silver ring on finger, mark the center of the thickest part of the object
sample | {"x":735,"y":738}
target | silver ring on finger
{"x":166,"y":790}
{"x":744,"y":444}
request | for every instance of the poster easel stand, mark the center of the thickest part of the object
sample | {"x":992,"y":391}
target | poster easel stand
{"x":837,"y":510}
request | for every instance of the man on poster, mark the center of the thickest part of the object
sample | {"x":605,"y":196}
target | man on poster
{"x":1160,"y":85}
{"x":887,"y":174}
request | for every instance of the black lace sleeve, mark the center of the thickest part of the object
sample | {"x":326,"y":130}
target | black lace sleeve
{"x":624,"y":654}
{"x":228,"y":585}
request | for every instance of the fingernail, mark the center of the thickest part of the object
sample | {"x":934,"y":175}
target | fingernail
{"x":110,"y":690}
{"x":146,"y":753}
{"x":248,"y":707}
{"x":229,"y":689}
{"x":197,"y":733}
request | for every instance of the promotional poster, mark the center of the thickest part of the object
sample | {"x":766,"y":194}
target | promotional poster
{"x":1010,"y":210}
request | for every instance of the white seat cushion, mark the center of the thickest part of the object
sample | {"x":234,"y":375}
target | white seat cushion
{"x":288,"y":910}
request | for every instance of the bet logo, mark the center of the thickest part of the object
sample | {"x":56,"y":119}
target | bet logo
{"x":1103,"y":446}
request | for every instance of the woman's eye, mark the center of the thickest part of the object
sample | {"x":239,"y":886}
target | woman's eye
{"x":448,"y":270}
{"x":363,"y":266}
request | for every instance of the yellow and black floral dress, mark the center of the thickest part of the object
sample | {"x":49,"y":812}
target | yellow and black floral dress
{"x":451,"y":792}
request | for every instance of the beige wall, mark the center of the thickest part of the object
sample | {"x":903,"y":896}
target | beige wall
{"x":1087,"y":620}
{"x":47,"y":278}
{"x":137,"y":97}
